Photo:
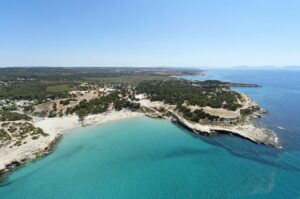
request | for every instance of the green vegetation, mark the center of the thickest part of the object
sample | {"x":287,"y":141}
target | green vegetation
{"x":67,"y":101}
{"x":202,"y":94}
{"x":94,"y":106}
{"x":18,"y":143}
{"x":4,"y":136}
{"x":13,"y":116}
{"x":58,"y":88}
{"x":52,"y":114}
{"x":28,"y":108}
{"x":64,"y":102}
{"x":196,"y":115}
{"x":127,"y":79}
{"x":248,"y":111}
{"x":12,"y":129}
{"x":50,"y":82}
{"x":15,"y":132}
{"x":101,"y":104}
{"x":29,"y":90}
{"x":11,"y":107}
{"x":54,"y":107}
{"x":63,"y":74}
{"x":42,"y":85}
{"x":38,"y":131}
{"x":26,"y":127}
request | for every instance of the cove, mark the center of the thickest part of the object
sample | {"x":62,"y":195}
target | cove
{"x":148,"y":158}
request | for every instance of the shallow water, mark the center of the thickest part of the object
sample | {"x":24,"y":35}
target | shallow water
{"x":149,"y":158}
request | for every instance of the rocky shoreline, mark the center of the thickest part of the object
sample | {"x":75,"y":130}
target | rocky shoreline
{"x":261,"y":136}
{"x":248,"y":130}
{"x":54,"y":126}
{"x":41,"y":153}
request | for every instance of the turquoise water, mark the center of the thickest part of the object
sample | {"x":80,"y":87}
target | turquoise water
{"x":149,"y":158}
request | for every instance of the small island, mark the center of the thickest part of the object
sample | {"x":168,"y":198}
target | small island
{"x":37,"y":105}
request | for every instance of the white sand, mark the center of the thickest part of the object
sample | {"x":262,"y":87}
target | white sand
{"x":110,"y":116}
{"x":54,"y":127}
{"x":60,"y":124}
{"x":24,"y":151}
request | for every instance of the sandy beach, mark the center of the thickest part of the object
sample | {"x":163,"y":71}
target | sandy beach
{"x":55,"y":127}
{"x":58,"y":126}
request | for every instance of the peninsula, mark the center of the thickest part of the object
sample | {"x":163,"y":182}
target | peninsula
{"x":37,"y":105}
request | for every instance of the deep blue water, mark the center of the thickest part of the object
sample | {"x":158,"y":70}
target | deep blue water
{"x":148,"y":158}
{"x":279,"y":95}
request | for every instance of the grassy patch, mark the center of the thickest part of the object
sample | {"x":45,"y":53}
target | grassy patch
{"x":127,"y":79}
{"x":58,"y":88}
{"x":13,"y":116}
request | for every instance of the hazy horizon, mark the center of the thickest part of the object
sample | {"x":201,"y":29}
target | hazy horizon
{"x":196,"y":67}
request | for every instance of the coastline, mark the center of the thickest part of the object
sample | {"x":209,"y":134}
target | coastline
{"x":247,"y":129}
{"x":56,"y":128}
{"x":58,"y":125}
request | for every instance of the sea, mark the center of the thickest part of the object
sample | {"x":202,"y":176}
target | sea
{"x":154,"y":158}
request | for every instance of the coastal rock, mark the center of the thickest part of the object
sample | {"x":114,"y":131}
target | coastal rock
{"x":247,"y":131}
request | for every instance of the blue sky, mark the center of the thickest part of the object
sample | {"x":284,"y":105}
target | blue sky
{"x":149,"y":32}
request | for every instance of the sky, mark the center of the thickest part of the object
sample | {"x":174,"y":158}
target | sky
{"x":149,"y":32}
